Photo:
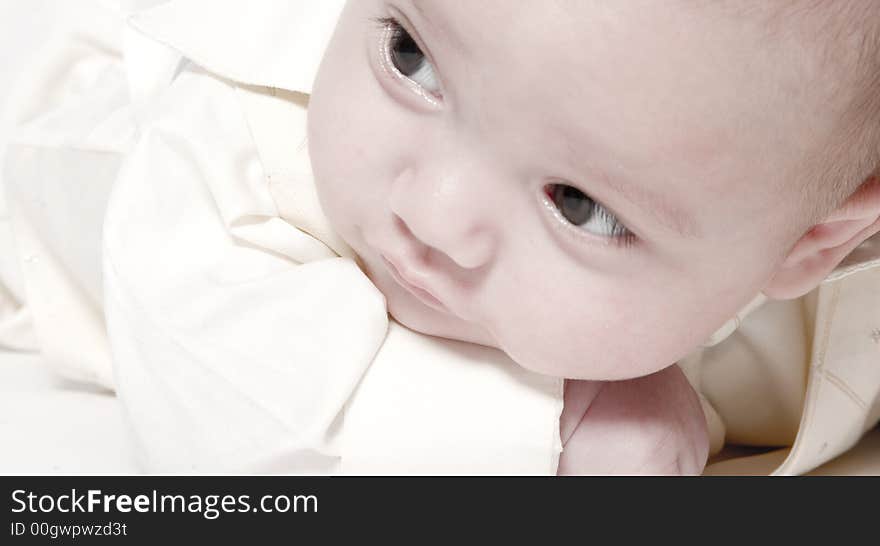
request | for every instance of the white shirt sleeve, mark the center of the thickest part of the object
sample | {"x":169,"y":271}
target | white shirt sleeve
{"x":227,"y":356}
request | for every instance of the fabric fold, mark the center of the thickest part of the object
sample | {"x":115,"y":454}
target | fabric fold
{"x":251,"y":44}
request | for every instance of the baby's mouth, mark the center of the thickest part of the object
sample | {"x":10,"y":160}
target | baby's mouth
{"x":422,"y":294}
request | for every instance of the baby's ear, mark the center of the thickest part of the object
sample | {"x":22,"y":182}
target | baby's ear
{"x":827,"y":243}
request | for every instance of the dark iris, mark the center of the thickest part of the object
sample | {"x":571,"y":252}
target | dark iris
{"x":405,"y":53}
{"x":572,"y":203}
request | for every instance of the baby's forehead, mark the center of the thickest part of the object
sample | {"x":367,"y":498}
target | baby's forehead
{"x":830,"y":50}
{"x":836,"y":28}
{"x":610,"y":64}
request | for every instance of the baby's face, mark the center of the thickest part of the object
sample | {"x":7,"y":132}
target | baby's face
{"x":592,"y":187}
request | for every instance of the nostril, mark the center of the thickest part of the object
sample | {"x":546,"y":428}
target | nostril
{"x":414,"y":246}
{"x":465,"y":250}
{"x":401,"y":225}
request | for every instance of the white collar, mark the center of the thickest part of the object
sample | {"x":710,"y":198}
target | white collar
{"x":271,"y":43}
{"x":865,"y":256}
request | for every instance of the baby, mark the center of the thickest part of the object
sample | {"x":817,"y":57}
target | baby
{"x":595,"y":188}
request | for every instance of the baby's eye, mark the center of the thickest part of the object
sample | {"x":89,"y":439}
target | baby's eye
{"x":581,"y":211}
{"x":408,"y":58}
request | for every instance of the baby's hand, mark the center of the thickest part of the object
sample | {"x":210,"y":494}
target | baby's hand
{"x":649,"y":425}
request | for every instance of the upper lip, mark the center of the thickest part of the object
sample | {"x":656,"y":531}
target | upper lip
{"x":405,"y":277}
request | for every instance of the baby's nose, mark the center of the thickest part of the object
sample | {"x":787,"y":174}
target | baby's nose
{"x":448,"y":215}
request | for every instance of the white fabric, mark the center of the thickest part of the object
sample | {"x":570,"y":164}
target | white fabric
{"x":54,"y":426}
{"x":235,"y":39}
{"x":802,"y":374}
{"x":239,"y":334}
{"x":63,"y":428}
{"x":22,"y":28}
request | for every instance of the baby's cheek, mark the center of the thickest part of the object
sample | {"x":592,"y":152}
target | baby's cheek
{"x":610,"y":338}
{"x":345,"y":181}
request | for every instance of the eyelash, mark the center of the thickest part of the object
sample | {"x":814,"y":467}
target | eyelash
{"x":392,"y":25}
{"x":385,"y":23}
{"x":620,"y":235}
{"x":393,"y":33}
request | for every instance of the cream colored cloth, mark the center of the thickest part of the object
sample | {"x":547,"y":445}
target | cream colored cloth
{"x":803,"y":375}
{"x":235,"y":326}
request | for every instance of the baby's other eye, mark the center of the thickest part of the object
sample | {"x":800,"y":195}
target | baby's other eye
{"x":408,"y":58}
{"x":581,"y":211}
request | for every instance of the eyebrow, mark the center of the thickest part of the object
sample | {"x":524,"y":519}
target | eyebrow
{"x":657,"y":206}
{"x":439,"y":25}
{"x":652,"y":203}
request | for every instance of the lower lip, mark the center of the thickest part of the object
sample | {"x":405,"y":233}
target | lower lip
{"x":426,"y":297}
